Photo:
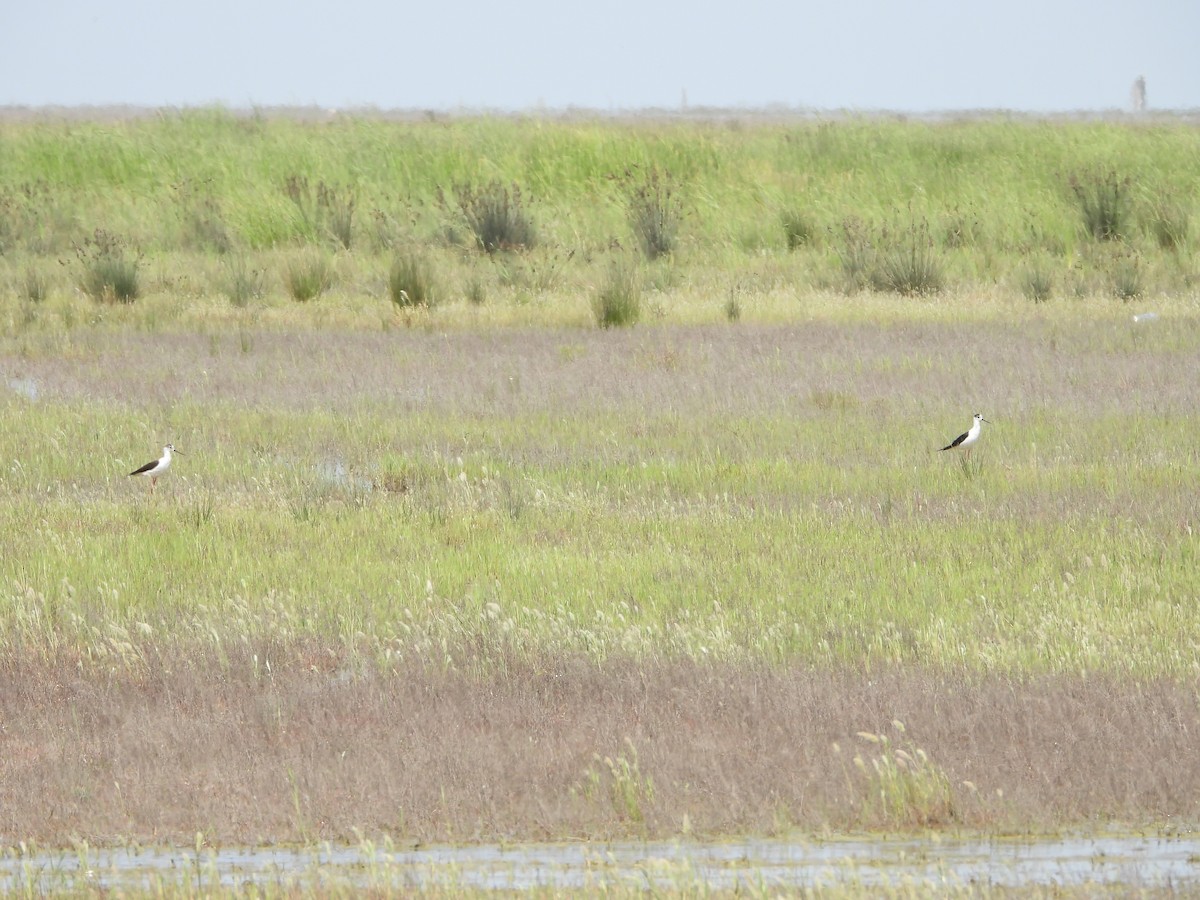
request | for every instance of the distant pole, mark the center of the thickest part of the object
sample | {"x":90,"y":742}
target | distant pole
{"x":1137,"y":94}
{"x":683,"y":100}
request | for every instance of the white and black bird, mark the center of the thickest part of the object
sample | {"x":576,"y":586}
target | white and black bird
{"x":156,"y":468}
{"x":967,"y":439}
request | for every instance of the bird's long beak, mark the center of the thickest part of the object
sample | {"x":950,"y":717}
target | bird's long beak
{"x":981,"y":419}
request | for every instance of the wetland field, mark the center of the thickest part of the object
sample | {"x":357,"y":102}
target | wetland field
{"x":593,"y":492}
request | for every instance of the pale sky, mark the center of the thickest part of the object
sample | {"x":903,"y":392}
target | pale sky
{"x":916,"y":56}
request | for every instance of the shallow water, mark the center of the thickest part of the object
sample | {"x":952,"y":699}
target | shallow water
{"x":1124,"y":859}
{"x":334,"y":472}
{"x":26,"y":387}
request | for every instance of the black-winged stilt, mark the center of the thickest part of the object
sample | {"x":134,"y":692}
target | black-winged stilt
{"x":156,"y":468}
{"x":965,"y":440}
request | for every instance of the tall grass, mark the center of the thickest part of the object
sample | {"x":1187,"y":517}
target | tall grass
{"x":618,"y":300}
{"x":203,"y":225}
{"x":210,"y":180}
{"x":655,"y":211}
{"x":240,"y":280}
{"x":620,"y":783}
{"x":906,"y":260}
{"x":901,"y":787}
{"x":897,"y":258}
{"x":497,"y":215}
{"x":308,"y":275}
{"x":798,"y":228}
{"x":1037,"y":281}
{"x":410,"y":281}
{"x":325,"y":210}
{"x":108,"y":268}
{"x":1127,"y":275}
{"x":1104,"y":203}
{"x":1170,"y":223}
{"x":856,"y":254}
{"x":34,"y":285}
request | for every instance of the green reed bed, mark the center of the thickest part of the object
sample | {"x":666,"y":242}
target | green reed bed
{"x":971,"y":201}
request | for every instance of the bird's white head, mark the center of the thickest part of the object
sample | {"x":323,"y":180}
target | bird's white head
{"x":979,"y":418}
{"x":169,"y":449}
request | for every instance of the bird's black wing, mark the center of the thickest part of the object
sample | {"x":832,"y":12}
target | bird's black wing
{"x":144,"y":469}
{"x":954,"y":443}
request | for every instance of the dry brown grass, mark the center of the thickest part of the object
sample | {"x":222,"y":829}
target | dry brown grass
{"x":313,"y":751}
{"x":1091,"y":368}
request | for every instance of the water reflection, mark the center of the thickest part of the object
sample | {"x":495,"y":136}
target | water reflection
{"x":26,"y":387}
{"x":1139,"y":860}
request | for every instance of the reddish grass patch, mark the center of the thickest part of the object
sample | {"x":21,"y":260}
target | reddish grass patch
{"x":314,"y":751}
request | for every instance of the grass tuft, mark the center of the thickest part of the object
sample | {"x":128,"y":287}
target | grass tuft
{"x":240,"y":281}
{"x":308,"y":275}
{"x":655,"y":212}
{"x":798,"y":228}
{"x":1037,"y":282}
{"x":906,"y":261}
{"x":1103,"y":199}
{"x":733,"y":307}
{"x":410,"y":281}
{"x":619,"y":781}
{"x":110,"y":270}
{"x":497,"y":215}
{"x":902,"y":787}
{"x":34,"y":286}
{"x":1128,"y":282}
{"x":900,"y":260}
{"x":476,"y":291}
{"x":618,"y":301}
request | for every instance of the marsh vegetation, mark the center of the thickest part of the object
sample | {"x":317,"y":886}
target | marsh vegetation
{"x":481,"y":569}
